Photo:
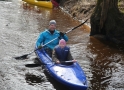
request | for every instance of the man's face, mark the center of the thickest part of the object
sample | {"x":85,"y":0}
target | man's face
{"x":52,"y":27}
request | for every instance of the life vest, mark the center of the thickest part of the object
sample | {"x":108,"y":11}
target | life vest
{"x":62,"y":53}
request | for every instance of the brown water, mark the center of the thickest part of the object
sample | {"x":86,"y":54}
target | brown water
{"x":102,"y":61}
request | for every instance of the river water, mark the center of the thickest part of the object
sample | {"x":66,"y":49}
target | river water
{"x":102,"y":61}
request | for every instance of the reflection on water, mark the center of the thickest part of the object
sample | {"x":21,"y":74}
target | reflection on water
{"x":104,"y":62}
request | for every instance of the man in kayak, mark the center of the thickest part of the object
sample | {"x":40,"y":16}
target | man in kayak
{"x":49,"y":34}
{"x":62,"y":53}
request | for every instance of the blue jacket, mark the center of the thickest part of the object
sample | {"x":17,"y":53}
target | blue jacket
{"x":46,"y":37}
{"x":62,"y":53}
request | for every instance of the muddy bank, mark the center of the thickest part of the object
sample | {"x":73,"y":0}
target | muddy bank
{"x":82,"y":9}
{"x":78,"y":9}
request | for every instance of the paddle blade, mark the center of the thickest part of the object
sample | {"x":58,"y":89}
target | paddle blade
{"x":35,"y":65}
{"x":21,"y":57}
{"x":32,"y":65}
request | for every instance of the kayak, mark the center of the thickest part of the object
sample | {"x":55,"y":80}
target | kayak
{"x":71,"y":76}
{"x":47,"y":4}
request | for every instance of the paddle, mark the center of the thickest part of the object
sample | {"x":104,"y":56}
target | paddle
{"x":25,"y":56}
{"x":41,"y":63}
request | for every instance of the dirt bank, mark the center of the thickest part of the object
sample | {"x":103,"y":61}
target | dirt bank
{"x":82,"y":9}
{"x":78,"y":9}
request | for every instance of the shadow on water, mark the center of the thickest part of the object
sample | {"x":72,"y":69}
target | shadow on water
{"x":33,"y":79}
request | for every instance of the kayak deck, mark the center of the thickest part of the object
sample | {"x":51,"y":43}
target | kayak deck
{"x":68,"y":74}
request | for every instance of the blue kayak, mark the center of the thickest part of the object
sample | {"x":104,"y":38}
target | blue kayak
{"x":70,"y":75}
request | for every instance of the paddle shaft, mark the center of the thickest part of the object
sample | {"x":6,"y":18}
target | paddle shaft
{"x":57,"y":37}
{"x":64,"y":33}
{"x":53,"y":39}
{"x":37,"y":65}
{"x":68,"y":61}
{"x":76,"y":26}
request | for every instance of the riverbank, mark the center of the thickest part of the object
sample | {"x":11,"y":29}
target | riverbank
{"x":82,"y":9}
{"x":79,"y":10}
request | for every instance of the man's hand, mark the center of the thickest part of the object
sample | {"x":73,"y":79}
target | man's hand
{"x":39,"y":47}
{"x":74,"y":60}
{"x":57,"y":61}
{"x":61,"y":34}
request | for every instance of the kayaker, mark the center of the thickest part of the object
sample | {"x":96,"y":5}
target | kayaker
{"x":62,"y":53}
{"x":48,"y":35}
